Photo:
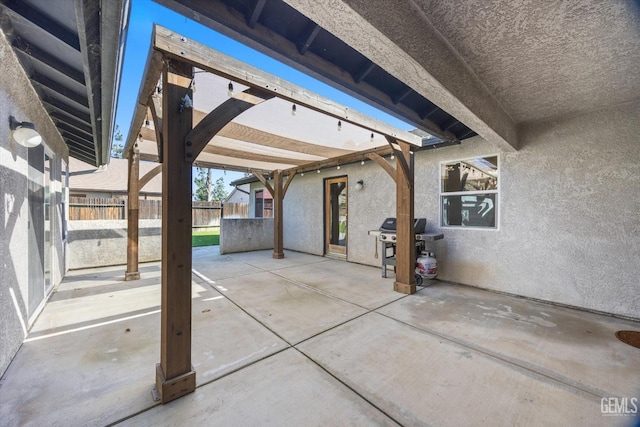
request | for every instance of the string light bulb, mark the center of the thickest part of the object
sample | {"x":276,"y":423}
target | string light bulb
{"x":338,"y":167}
{"x":230,"y":92}
{"x":318,"y":171}
{"x":362,"y":162}
{"x":393,"y":157}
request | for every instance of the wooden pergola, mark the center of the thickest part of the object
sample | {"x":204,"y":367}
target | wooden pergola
{"x":178,"y":145}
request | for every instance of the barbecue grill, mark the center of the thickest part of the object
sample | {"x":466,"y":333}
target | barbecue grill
{"x":387,"y":237}
{"x":388,"y":228}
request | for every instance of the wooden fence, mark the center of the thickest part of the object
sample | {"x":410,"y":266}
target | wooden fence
{"x":90,"y":208}
{"x":203,"y":214}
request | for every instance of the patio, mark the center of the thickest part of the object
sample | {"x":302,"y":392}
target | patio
{"x":307,"y":340}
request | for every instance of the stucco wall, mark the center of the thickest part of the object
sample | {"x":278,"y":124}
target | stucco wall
{"x":16,"y":98}
{"x":102,"y":243}
{"x":568,"y":213}
{"x":245,"y":234}
{"x":303,"y":215}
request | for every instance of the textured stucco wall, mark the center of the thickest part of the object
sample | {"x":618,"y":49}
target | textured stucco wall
{"x":245,"y":234}
{"x":16,"y":98}
{"x":14,"y":223}
{"x":102,"y":243}
{"x":568,"y":213}
{"x":303,"y":214}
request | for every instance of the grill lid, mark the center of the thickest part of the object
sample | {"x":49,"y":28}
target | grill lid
{"x":389,"y":225}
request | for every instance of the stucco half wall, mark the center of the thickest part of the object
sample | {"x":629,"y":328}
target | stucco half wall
{"x":567,"y":213}
{"x":104,"y":242}
{"x":245,"y":234}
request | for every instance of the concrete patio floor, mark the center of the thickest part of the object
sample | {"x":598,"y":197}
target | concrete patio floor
{"x":308,"y":340}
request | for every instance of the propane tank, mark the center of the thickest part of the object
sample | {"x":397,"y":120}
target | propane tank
{"x":427,"y":265}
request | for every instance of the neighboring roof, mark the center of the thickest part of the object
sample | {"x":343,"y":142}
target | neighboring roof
{"x":72,"y":52}
{"x":113,"y":179}
{"x":242,"y":181}
{"x":242,"y":189}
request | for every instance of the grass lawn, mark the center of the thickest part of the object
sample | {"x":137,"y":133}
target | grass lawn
{"x":205,"y":237}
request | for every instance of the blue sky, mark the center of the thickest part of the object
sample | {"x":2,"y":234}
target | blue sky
{"x":144,"y":13}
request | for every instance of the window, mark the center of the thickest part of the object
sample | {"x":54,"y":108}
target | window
{"x":259,"y":203}
{"x":263,"y":205}
{"x":469,"y":192}
{"x":268,"y":208}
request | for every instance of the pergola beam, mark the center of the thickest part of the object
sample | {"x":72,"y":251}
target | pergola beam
{"x":286,"y":185}
{"x":175,"y":376}
{"x":383,"y":164}
{"x":155,"y":106}
{"x":278,"y":231}
{"x":259,"y":137}
{"x":239,"y":154}
{"x":277,"y":192}
{"x":152,"y":72}
{"x":208,"y":59}
{"x":405,"y":231}
{"x":340,"y":160}
{"x":133,"y":196}
{"x":255,"y":136}
{"x":264,"y":181}
{"x":149,"y":176}
{"x":224,"y":166}
{"x":402,"y":163}
{"x":211,"y":124}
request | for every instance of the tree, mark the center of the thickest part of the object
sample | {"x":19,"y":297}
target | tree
{"x":204,"y":186}
{"x":117,"y":147}
{"x":206,"y":190}
{"x":220,"y":191}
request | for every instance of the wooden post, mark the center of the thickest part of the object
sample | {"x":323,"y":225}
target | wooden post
{"x":405,"y":243}
{"x":175,"y":376}
{"x":133,"y":214}
{"x":278,"y":195}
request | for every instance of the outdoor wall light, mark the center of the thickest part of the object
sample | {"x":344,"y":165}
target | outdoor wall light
{"x":359,"y":185}
{"x":293,"y":109}
{"x":25,"y":133}
{"x":186,"y":102}
{"x":339,"y":125}
{"x":230,"y":90}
